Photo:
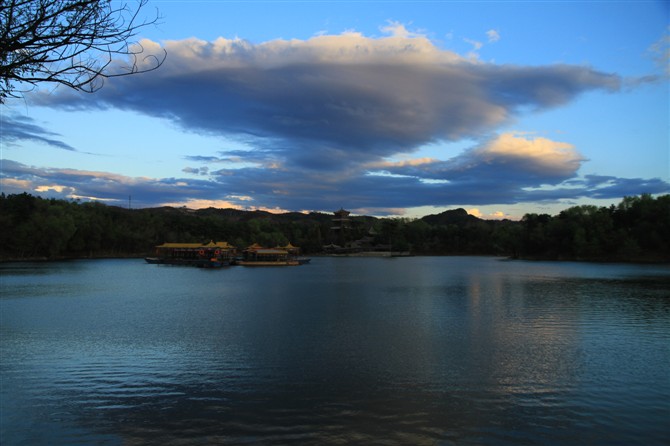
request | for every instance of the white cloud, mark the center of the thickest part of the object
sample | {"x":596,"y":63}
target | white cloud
{"x":541,"y":154}
{"x":14,"y":185}
{"x":396,"y":29}
{"x":56,"y":188}
{"x":475,"y":212}
{"x":473,"y":54}
{"x":493,"y":35}
{"x":495,"y":215}
{"x":476,"y":45}
{"x":510,"y":158}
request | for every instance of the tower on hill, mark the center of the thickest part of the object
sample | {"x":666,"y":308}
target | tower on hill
{"x":341,"y":226}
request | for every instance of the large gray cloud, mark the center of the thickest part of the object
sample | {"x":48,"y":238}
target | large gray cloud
{"x":505,"y":169}
{"x":323,"y":116}
{"x":331,"y":95}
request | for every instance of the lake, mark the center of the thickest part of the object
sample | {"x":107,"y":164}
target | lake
{"x":399,"y":351}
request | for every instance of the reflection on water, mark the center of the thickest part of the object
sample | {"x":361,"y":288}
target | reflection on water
{"x":385,"y":351}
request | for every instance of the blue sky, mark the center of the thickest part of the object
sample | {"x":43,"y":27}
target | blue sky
{"x":382,"y":107}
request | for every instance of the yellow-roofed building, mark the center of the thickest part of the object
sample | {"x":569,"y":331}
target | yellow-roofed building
{"x":212,"y":254}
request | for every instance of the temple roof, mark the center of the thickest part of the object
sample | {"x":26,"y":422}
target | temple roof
{"x":342,"y":212}
{"x":289,"y":246}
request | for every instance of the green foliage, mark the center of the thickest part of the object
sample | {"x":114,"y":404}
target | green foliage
{"x":638,"y":229}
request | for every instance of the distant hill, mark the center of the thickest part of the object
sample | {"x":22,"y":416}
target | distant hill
{"x":244,"y":216}
{"x":452,"y":217}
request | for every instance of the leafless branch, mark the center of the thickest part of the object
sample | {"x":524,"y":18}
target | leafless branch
{"x":75,"y":43}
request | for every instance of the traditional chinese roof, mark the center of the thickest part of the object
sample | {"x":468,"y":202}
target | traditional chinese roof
{"x":220,"y":245}
{"x":289,"y":246}
{"x":180,"y":245}
{"x":342,"y":212}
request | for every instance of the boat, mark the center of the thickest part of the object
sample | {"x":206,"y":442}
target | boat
{"x":201,"y":255}
{"x":257,"y":255}
{"x":294,"y":252}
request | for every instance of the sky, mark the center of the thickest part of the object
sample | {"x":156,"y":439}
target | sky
{"x":385,"y":108}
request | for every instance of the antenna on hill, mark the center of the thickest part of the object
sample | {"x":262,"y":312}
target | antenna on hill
{"x":129,"y":200}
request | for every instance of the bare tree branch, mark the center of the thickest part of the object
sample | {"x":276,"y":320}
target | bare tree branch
{"x":69,"y":42}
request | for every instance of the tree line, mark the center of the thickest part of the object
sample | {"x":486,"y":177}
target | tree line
{"x":637,"y":229}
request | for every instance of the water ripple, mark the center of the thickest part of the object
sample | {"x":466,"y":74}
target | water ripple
{"x":423,"y":351}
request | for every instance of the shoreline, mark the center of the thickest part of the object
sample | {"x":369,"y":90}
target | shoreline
{"x":637,"y":261}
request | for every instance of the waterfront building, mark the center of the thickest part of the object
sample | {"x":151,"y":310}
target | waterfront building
{"x":196,"y":254}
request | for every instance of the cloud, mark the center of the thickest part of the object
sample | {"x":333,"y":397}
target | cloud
{"x":539,"y":157}
{"x":205,"y":159}
{"x":492,"y":36}
{"x":476,"y":45}
{"x":398,"y":29}
{"x":327,"y":118}
{"x":497,"y":215}
{"x":196,"y":170}
{"x":660,"y":52}
{"x":74,"y":183}
{"x":17,"y":128}
{"x":14,"y":185}
{"x":506,"y":169}
{"x":601,"y":186}
{"x":337,"y":97}
{"x":507,"y":158}
{"x":482,"y":175}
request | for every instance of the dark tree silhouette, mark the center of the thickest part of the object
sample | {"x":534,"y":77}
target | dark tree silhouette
{"x":70,"y":42}
{"x":638,"y":230}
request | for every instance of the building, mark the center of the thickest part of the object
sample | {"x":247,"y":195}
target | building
{"x":341,"y":226}
{"x":196,"y":254}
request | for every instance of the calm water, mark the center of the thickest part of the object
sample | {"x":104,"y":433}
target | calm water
{"x":422,"y":350}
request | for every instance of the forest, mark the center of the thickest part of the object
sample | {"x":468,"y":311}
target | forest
{"x":34,"y":228}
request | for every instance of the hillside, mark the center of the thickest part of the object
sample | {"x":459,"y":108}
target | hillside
{"x":638,"y":229}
